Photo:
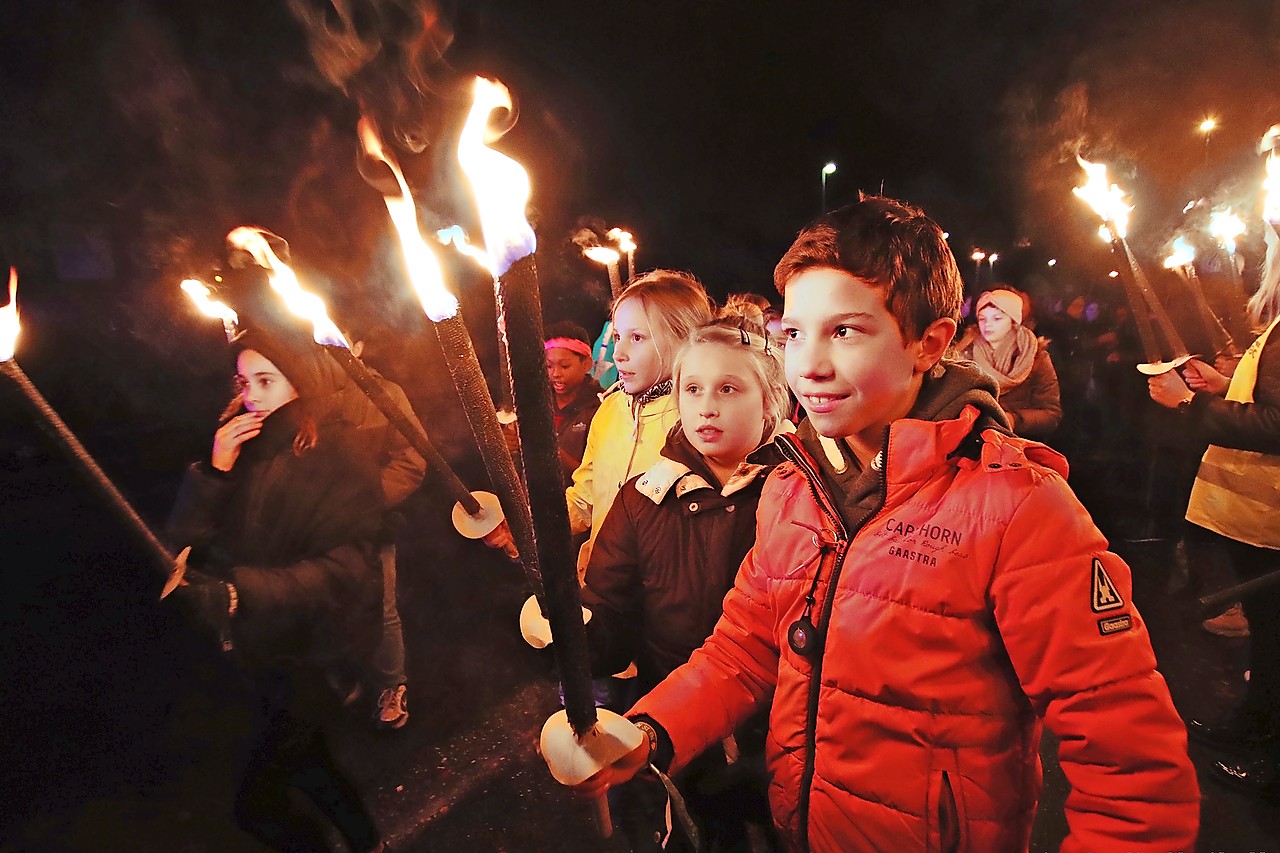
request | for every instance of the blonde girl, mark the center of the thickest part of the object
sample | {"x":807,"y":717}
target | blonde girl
{"x":651,"y":318}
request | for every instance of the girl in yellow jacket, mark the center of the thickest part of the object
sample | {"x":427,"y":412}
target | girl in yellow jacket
{"x":651,"y":318}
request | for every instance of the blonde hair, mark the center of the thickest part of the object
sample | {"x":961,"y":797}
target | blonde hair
{"x":674,"y":304}
{"x":735,"y":333}
{"x":1264,"y":305}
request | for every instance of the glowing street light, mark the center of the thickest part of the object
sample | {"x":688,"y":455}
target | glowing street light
{"x":826,"y":170}
{"x":977,"y":257}
{"x":1207,"y":127}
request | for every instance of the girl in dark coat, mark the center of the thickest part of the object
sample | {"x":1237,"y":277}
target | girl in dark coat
{"x":672,"y":542}
{"x":282,"y":520}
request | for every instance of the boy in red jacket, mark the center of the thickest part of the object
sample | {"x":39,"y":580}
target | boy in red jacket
{"x":924,"y":593}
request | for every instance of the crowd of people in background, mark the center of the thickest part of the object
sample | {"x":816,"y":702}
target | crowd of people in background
{"x":764,"y":500}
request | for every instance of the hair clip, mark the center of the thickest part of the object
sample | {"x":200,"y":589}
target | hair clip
{"x":746,"y":341}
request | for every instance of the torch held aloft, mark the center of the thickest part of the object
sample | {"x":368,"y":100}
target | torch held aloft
{"x":477,"y":404}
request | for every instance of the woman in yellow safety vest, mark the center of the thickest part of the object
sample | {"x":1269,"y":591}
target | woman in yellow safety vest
{"x":1237,"y":496}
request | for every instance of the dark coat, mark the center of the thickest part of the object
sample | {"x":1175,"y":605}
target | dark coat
{"x":574,"y":424}
{"x":295,"y":535}
{"x":1035,"y":403}
{"x":401,"y":467}
{"x":1245,"y":426}
{"x":659,"y":571}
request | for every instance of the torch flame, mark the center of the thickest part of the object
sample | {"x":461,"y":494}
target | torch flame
{"x":1181,"y":254}
{"x":208,"y":306}
{"x":626,"y":242}
{"x":1271,"y":183}
{"x":500,"y":184}
{"x":9,"y":319}
{"x":1106,"y":199}
{"x":457,"y":235}
{"x":284,"y":282}
{"x":601,"y":254}
{"x":1226,"y":227}
{"x":420,"y":261}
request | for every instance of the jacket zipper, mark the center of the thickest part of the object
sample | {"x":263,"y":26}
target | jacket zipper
{"x":791,"y":450}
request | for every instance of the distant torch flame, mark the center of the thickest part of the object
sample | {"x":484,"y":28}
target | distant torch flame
{"x":1181,"y":254}
{"x":500,"y":184}
{"x":420,"y":262}
{"x":1106,"y":199}
{"x":1226,"y":227}
{"x":9,"y":319}
{"x":601,"y":254}
{"x":200,"y":295}
{"x":284,"y":282}
{"x":626,"y":242}
{"x":457,"y":235}
{"x":1271,"y":183}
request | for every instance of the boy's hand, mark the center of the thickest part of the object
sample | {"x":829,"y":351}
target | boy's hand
{"x":1202,"y":377}
{"x":620,"y":771}
{"x":231,"y":436}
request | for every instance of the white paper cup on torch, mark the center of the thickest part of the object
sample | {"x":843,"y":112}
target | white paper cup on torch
{"x":573,"y":760}
{"x":483,"y":523}
{"x":535,"y":628}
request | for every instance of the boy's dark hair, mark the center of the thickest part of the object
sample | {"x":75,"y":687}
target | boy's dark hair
{"x":889,"y":244}
{"x":566,"y":329}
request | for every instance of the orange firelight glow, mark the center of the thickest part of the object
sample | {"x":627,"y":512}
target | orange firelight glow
{"x":1225,"y":226}
{"x":1106,"y":199}
{"x":601,"y":254}
{"x":457,"y":235}
{"x":500,"y":185}
{"x":1181,"y":254}
{"x":420,"y":262}
{"x":284,"y":282}
{"x":9,"y":319}
{"x":1271,"y":183}
{"x":626,"y":242}
{"x":210,"y":307}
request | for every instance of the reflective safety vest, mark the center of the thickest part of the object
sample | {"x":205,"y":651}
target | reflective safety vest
{"x":1237,"y":492}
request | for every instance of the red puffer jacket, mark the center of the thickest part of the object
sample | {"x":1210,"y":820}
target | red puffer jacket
{"x":974,"y":600}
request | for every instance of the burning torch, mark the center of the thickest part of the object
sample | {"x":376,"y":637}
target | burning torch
{"x":1270,"y":145}
{"x":627,"y":244}
{"x":1182,"y":261}
{"x":56,"y":428}
{"x":1225,"y":227}
{"x":475,"y":514}
{"x":1107,"y":200}
{"x":580,"y":740}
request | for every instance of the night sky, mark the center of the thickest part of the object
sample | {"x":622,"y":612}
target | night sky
{"x":137,"y":133}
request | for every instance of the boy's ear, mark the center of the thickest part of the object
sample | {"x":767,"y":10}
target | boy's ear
{"x":934,"y":342}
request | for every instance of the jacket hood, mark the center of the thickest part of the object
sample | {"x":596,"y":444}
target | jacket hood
{"x":945,"y":393}
{"x":317,"y":378}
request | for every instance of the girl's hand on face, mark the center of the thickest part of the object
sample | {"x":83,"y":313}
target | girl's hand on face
{"x":231,"y":436}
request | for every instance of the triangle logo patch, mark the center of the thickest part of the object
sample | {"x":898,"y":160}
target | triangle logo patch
{"x":1105,"y":595}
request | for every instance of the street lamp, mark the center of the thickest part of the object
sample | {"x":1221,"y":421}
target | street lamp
{"x":826,"y":170}
{"x":977,"y":257}
{"x":1207,"y":127}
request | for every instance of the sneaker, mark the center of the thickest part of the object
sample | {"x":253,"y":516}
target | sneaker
{"x":393,"y":708}
{"x":1230,"y":624}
